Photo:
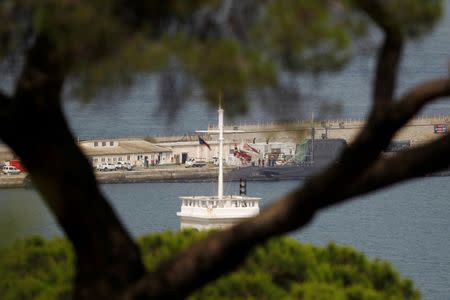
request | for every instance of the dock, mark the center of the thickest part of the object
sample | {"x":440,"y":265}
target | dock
{"x":172,"y":174}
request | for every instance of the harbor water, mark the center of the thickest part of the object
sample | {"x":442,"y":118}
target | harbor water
{"x":407,"y":224}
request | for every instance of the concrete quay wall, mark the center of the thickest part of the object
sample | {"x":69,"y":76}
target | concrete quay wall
{"x":12,"y":181}
{"x":179,"y":174}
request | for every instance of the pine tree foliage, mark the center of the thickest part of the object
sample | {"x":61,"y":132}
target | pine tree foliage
{"x":225,"y":47}
{"x":35,"y":268}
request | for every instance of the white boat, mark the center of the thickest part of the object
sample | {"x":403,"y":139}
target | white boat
{"x":218,"y":211}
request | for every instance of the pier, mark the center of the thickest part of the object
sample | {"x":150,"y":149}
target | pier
{"x":418,"y":131}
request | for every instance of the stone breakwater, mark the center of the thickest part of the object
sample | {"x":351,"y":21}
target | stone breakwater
{"x":418,"y":131}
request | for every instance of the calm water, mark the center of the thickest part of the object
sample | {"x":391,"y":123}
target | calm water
{"x":407,"y":225}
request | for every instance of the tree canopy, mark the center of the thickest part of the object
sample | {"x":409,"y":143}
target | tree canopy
{"x":247,"y":45}
{"x":283,"y":268}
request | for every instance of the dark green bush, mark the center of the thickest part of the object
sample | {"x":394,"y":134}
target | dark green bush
{"x":283,"y":268}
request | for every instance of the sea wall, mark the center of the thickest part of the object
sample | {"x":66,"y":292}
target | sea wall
{"x":11,"y":181}
{"x":177,"y":174}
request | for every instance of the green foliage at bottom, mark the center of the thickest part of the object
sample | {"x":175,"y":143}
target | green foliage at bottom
{"x":283,"y":268}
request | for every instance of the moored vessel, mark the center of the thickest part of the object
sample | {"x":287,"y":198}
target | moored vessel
{"x":218,"y":211}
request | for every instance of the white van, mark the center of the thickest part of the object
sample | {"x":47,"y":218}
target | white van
{"x":194,"y":163}
{"x":10,"y":170}
{"x":106,"y":167}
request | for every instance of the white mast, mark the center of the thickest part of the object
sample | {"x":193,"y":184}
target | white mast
{"x":220,"y":179}
{"x":220,"y":131}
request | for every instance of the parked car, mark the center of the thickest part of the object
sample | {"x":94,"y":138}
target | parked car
{"x":10,"y":170}
{"x":194,"y":163}
{"x":106,"y":167}
{"x":121,"y":165}
{"x":189,"y":163}
{"x":215,"y":161}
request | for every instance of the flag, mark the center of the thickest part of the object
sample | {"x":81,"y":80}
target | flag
{"x":250,"y":148}
{"x":203,"y":142}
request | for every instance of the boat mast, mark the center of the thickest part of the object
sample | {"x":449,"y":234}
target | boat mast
{"x":220,"y":179}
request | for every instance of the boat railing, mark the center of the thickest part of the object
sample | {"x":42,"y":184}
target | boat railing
{"x":220,"y":203}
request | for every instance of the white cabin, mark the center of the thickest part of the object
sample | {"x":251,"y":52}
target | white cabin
{"x":210,"y":212}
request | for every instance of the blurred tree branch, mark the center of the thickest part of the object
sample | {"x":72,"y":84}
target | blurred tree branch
{"x":416,"y":162}
{"x":64,"y":177}
{"x":5,"y":102}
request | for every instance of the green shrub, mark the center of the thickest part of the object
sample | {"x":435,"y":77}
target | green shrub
{"x":283,"y":268}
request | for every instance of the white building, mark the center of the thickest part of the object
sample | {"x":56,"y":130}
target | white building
{"x":182,"y":151}
{"x":137,"y":152}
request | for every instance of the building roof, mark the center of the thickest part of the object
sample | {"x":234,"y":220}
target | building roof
{"x":191,"y":143}
{"x":125,"y":147}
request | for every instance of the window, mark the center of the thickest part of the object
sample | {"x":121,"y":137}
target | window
{"x":103,"y":144}
{"x":111,"y":143}
{"x":109,"y":158}
{"x":128,"y":157}
{"x":120,"y":158}
{"x":114,"y":159}
{"x":95,"y":144}
{"x":95,"y":160}
{"x":103,"y":159}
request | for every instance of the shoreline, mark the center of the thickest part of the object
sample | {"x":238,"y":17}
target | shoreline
{"x":181,"y":174}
